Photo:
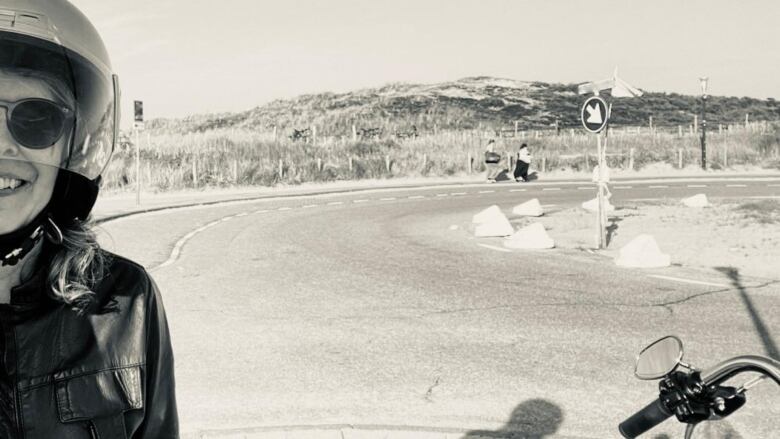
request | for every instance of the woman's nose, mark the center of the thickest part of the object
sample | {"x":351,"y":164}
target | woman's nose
{"x":8,"y":145}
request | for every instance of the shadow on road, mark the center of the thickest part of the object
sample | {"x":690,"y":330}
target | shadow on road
{"x":612,"y":228}
{"x":766,"y":338}
{"x":531,"y":419}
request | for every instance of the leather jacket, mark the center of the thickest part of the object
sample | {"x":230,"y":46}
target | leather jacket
{"x":105,"y":373}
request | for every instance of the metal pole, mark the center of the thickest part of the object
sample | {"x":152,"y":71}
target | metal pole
{"x":703,"y":132}
{"x":602,"y":237}
{"x":137,"y":167}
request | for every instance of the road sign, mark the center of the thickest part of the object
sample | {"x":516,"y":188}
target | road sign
{"x":138,"y":110}
{"x":594,"y":114}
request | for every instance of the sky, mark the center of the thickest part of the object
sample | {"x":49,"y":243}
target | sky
{"x":184,"y":57}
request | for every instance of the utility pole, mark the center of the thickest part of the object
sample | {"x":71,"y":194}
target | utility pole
{"x":703,"y":82}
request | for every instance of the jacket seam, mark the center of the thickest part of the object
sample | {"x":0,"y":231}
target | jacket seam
{"x":49,"y":379}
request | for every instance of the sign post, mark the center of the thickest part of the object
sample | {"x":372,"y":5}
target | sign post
{"x":595,"y":115}
{"x":138,"y":126}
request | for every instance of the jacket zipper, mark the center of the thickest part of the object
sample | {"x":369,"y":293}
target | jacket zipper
{"x":92,"y":430}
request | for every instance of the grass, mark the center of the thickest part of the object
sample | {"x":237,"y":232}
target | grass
{"x":225,"y":157}
{"x":762,"y":211}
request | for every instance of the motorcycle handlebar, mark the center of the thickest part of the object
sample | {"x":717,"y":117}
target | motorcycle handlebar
{"x":645,"y":419}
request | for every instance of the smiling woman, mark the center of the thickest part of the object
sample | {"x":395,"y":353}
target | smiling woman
{"x":84,"y":349}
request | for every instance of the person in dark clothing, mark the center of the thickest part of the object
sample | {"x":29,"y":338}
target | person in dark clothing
{"x":84,"y":343}
{"x":523,"y":163}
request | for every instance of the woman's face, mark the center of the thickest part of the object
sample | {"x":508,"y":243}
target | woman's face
{"x":27,"y":176}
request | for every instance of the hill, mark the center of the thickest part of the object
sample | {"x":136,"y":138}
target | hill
{"x":468,"y":103}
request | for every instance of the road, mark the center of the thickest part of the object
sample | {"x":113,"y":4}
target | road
{"x":366,"y":308}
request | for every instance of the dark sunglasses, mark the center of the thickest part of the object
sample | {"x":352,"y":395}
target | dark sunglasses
{"x":36,"y":123}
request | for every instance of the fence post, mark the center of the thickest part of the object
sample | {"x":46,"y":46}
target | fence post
{"x":354,"y":133}
{"x":747,"y":120}
{"x":281,"y":169}
{"x":679,"y":130}
{"x":587,"y":161}
{"x":631,"y":159}
{"x":387,"y":163}
{"x":235,"y":171}
{"x":544,"y":165}
{"x":679,"y":158}
{"x":469,"y":163}
{"x":696,"y":124}
{"x":515,"y":128}
{"x":720,"y":128}
{"x":314,"y":134}
{"x":725,"y":156}
{"x":274,"y":133}
{"x":350,"y":163}
{"x":195,"y":171}
{"x":319,"y":164}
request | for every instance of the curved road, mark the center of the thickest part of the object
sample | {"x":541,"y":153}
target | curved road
{"x":366,"y":308}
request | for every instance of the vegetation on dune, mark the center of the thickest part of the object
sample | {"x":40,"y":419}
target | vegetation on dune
{"x":437,"y":130}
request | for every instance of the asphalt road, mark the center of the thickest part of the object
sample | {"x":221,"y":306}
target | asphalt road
{"x":366,"y":308}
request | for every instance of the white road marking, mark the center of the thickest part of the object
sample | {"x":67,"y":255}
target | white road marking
{"x":416,"y":197}
{"x":551,"y":189}
{"x":516,"y":190}
{"x":486,"y":192}
{"x":360,"y":201}
{"x":457,"y":193}
{"x":736,"y":185}
{"x":773,"y":185}
{"x":309,"y":206}
{"x":242,"y":214}
{"x":387,"y":199}
{"x":766,"y":197}
{"x":660,"y":186}
{"x":335,"y":203}
{"x":261,"y":211}
{"x":697,"y":185}
{"x":493,"y":247}
{"x":688,"y":281}
{"x":284,"y":208}
{"x":226,"y":219}
{"x":442,"y":195}
{"x":176,"y":252}
{"x":585,"y":188}
{"x":623,"y":187}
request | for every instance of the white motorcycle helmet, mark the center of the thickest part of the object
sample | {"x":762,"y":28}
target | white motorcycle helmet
{"x":52,"y":41}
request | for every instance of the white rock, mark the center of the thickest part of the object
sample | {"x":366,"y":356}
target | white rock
{"x":496,"y":227}
{"x":698,"y":200}
{"x":529,"y":208}
{"x":533,"y":236}
{"x":487,"y":215}
{"x":593,"y":205}
{"x":642,"y":252}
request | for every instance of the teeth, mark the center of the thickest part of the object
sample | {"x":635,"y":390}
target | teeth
{"x":9,"y":183}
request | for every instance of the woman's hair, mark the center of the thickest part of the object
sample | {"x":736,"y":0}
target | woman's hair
{"x":77,"y":265}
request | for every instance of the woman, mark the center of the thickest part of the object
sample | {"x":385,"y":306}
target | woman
{"x":84,"y":351}
{"x":492,"y":158}
{"x":523,"y":163}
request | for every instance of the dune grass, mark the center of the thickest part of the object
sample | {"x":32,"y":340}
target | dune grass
{"x":224,"y":157}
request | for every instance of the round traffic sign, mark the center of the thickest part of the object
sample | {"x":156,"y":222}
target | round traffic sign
{"x":594,"y":114}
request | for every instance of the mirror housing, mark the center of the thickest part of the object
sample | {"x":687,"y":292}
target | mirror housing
{"x":659,"y":359}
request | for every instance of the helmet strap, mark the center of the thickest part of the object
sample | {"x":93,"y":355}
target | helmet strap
{"x":16,"y":245}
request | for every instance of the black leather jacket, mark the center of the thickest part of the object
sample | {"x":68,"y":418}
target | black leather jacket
{"x":107,"y":373}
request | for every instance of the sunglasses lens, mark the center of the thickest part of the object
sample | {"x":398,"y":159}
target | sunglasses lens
{"x":37,"y":124}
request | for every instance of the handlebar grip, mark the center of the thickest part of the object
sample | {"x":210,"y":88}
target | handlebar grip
{"x":645,"y":419}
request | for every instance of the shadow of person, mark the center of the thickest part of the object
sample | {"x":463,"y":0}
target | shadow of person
{"x":533,"y":176}
{"x":503,"y":175}
{"x":531,"y":419}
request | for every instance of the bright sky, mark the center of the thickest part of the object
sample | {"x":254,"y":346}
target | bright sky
{"x":193,"y":56}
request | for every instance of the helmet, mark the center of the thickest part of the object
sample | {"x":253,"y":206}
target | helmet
{"x":55,"y":43}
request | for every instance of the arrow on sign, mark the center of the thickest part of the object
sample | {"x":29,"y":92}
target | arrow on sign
{"x":594,"y":114}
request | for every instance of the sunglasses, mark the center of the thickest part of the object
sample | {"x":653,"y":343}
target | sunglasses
{"x":36,"y":123}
